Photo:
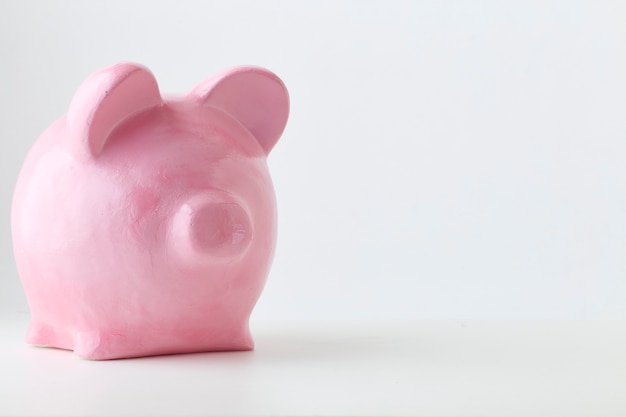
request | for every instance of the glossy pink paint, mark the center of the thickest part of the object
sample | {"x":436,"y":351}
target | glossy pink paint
{"x":145,"y":225}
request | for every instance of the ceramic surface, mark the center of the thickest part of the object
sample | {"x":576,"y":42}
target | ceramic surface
{"x":145,"y":225}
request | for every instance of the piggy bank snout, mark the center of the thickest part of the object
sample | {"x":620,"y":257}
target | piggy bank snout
{"x":211,"y":227}
{"x":219,"y":226}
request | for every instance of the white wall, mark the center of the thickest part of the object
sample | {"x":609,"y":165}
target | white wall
{"x":442,"y":160}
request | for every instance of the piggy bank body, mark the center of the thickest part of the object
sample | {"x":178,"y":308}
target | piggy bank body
{"x":145,"y":225}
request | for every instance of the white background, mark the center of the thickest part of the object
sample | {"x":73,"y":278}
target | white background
{"x":442,"y":159}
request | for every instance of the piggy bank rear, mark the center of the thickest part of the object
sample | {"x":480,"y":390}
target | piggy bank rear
{"x":146,"y":225}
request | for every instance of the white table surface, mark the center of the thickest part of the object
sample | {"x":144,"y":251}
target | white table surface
{"x":418,"y":368}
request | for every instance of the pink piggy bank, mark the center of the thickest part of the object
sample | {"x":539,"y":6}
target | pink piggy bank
{"x":145,"y":225}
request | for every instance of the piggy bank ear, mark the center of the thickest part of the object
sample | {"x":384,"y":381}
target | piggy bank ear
{"x":104,"y":100}
{"x":254,"y":96}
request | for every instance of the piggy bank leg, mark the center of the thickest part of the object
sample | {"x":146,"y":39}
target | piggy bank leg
{"x":92,"y":345}
{"x":105,"y":345}
{"x":42,"y":334}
